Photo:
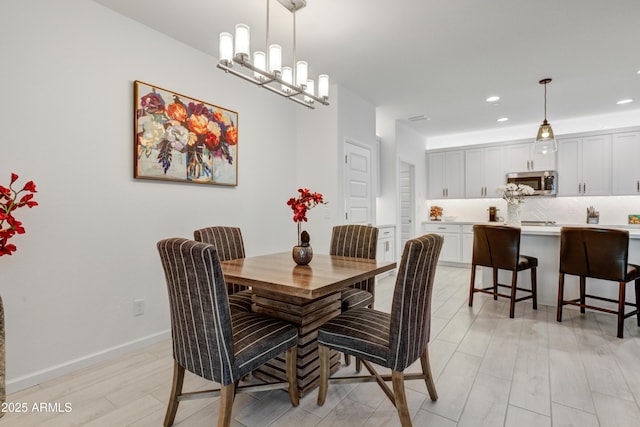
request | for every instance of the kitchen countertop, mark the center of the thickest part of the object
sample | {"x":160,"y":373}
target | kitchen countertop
{"x":548,"y":230}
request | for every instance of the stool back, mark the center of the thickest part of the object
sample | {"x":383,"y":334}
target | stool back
{"x":496,"y":246}
{"x":600,"y":253}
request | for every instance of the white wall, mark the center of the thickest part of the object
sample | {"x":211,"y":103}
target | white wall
{"x":67,"y":120}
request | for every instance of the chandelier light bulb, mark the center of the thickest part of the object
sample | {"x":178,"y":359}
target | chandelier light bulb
{"x":287,"y":76}
{"x":225,"y":47}
{"x":260,"y":62}
{"x":309,"y":89}
{"x":275,"y":58}
{"x":301,"y":73}
{"x":242,"y":46}
{"x":323,"y":86}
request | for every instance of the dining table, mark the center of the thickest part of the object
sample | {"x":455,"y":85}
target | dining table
{"x":304,"y":295}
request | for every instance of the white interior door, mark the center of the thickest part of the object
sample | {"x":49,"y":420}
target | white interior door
{"x":407,"y":211}
{"x":359,"y":191}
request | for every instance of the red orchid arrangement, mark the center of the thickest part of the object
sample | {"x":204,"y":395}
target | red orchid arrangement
{"x":8,"y":203}
{"x":301,"y":205}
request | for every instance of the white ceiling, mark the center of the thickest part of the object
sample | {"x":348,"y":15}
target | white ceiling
{"x":441,"y":58}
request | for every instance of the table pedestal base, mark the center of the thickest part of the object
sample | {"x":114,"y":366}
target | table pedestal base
{"x":308,"y":315}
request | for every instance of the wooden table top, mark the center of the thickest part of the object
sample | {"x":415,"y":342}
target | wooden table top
{"x":325,"y":274}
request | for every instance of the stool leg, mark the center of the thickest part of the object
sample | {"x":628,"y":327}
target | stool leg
{"x":534,"y":287}
{"x":473,"y":285}
{"x":560,"y":297}
{"x":512,"y":305}
{"x":583,"y":287}
{"x":621,"y":299}
{"x":495,"y":284}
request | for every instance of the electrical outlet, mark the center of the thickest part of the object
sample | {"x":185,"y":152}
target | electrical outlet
{"x":138,"y":307}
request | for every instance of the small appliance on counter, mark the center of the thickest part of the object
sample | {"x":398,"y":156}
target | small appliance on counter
{"x":493,"y":214}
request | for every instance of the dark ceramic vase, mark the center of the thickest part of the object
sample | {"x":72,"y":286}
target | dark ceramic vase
{"x":302,"y":255}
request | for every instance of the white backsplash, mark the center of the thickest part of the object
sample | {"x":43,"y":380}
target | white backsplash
{"x":563,"y":210}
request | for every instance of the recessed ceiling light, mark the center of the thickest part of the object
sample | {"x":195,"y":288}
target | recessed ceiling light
{"x":624,"y":101}
{"x":638,"y":71}
{"x":503,"y":119}
{"x":493,"y":99}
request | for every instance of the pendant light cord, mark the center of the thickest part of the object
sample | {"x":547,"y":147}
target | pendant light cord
{"x":545,"y":102}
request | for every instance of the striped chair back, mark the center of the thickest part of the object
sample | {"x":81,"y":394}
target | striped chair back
{"x":359,"y":241}
{"x":200,"y":315}
{"x":229,"y":244}
{"x":227,"y":240}
{"x":411,"y":306}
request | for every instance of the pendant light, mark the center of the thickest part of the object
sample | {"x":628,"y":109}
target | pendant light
{"x":545,"y":141}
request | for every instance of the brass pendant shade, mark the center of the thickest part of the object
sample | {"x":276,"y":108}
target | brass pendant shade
{"x":545,"y":140}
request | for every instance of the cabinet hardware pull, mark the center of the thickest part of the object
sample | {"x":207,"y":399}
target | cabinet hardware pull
{"x":579,"y":187}
{"x":442,"y":228}
{"x":638,"y":186}
{"x":584,"y":187}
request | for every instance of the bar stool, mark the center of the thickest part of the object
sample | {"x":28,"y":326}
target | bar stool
{"x":599,"y":253}
{"x":498,"y":247}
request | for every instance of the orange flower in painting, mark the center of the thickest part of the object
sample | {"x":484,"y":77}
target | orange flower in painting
{"x":199,"y":124}
{"x":217,"y":116}
{"x":231,"y":135}
{"x":177,"y":112}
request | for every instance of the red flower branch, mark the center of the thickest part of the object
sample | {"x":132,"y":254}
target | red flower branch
{"x":9,"y":202}
{"x":303,"y":203}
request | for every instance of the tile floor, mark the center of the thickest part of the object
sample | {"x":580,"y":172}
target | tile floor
{"x":490,"y":371}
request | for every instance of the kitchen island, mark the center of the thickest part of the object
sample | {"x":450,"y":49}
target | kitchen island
{"x":543,"y":242}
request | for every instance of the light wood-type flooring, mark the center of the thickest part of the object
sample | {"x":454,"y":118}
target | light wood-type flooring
{"x":490,"y":371}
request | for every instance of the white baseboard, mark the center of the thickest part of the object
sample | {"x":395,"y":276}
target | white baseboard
{"x":38,"y":377}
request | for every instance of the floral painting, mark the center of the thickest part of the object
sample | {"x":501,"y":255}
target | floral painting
{"x":182,"y":139}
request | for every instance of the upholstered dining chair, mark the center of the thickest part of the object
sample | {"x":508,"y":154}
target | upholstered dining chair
{"x":498,"y":247}
{"x":395,"y":340}
{"x":209,"y":339}
{"x":599,"y":253}
{"x":358,"y":241}
{"x":229,"y":244}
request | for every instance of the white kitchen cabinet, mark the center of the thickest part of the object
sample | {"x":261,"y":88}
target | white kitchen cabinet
{"x":625,"y":152}
{"x":521,"y":158}
{"x":452,"y":245}
{"x":484,"y":171}
{"x":467,"y":243}
{"x":584,"y":166}
{"x":446,"y":174}
{"x":386,"y":244}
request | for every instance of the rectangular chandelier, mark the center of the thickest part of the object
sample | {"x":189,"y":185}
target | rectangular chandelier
{"x":266,"y":69}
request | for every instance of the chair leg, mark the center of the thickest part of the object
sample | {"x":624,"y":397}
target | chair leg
{"x":621,"y":300}
{"x":472,"y":285}
{"x":347,"y":359}
{"x":512,"y":302}
{"x":397,"y":378}
{"x":638,"y":301}
{"x":534,"y":287}
{"x":292,"y":378}
{"x":358,"y":365}
{"x":426,"y":370}
{"x":583,"y":291}
{"x":560,"y":297}
{"x":324,"y":373}
{"x":176,"y":390}
{"x":495,"y":284}
{"x":227,"y":394}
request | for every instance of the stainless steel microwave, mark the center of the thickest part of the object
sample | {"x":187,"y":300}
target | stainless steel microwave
{"x":544,"y":183}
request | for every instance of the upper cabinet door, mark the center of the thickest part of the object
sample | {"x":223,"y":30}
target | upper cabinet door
{"x":584,"y":166}
{"x":521,"y":158}
{"x":484,"y":172}
{"x":446,"y":174}
{"x":625,"y":152}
